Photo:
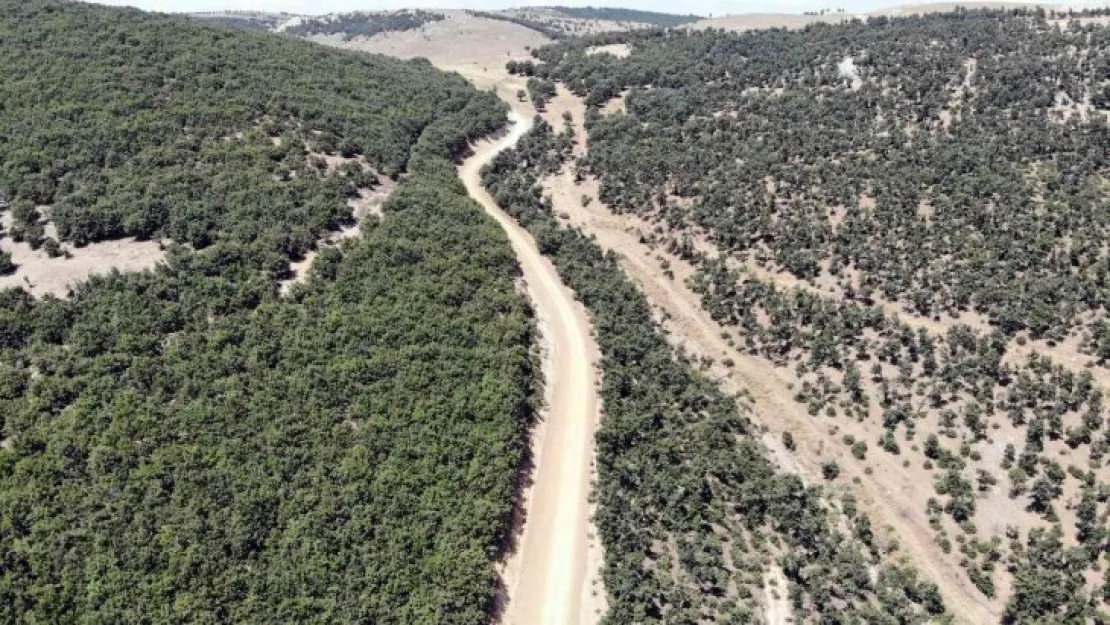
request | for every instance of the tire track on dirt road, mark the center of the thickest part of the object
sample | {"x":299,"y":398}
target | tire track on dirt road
{"x":550,"y":577}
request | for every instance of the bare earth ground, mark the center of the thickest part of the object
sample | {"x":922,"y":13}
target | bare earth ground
{"x":775,"y":589}
{"x":42,"y":275}
{"x":550,"y":577}
{"x":459,"y":40}
{"x":367,"y":204}
{"x":893,"y":495}
{"x":619,"y":50}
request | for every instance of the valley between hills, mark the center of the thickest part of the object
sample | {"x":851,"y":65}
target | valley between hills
{"x":554,"y":315}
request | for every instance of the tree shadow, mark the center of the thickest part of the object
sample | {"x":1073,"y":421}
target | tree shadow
{"x":517,"y":517}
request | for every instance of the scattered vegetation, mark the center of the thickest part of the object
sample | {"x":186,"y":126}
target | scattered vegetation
{"x":911,"y":215}
{"x":545,"y":28}
{"x":613,"y":14}
{"x":689,"y":507}
{"x":881,"y":153}
{"x":560,"y":22}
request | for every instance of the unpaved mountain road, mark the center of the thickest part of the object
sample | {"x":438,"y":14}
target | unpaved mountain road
{"x":549,"y":578}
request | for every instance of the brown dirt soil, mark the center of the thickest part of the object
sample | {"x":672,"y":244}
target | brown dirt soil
{"x":459,"y":41}
{"x":775,"y":590}
{"x":552,"y":575}
{"x":42,"y":275}
{"x":617,"y":105}
{"x":619,"y":50}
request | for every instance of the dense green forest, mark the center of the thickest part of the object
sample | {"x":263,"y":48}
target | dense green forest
{"x":625,"y":15}
{"x":545,"y":27}
{"x":187,"y":445}
{"x":360,"y":24}
{"x":679,"y":463}
{"x":164,"y":170}
{"x":261,"y":22}
{"x":932,"y":191}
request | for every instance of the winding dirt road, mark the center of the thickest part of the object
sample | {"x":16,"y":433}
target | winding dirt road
{"x":549,"y":579}
{"x":553,"y":577}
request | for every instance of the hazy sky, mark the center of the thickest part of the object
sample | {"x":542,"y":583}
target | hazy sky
{"x":701,"y":7}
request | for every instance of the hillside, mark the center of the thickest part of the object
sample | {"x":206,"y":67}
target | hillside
{"x":550,"y":22}
{"x":352,"y":25}
{"x":462,"y":39}
{"x":767,"y":318}
{"x":248,"y":20}
{"x":710,"y":517}
{"x":560,"y":22}
{"x":697,"y":522}
{"x":900,"y":224}
{"x":614,"y":14}
{"x":756,"y":21}
{"x":185,"y":443}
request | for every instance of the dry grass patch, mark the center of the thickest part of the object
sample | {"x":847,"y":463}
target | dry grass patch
{"x":619,"y":50}
{"x":42,"y":275}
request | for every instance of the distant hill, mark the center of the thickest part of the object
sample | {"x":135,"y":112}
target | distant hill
{"x":756,"y":21}
{"x":626,"y":15}
{"x":553,"y":22}
{"x":247,"y":20}
{"x":352,"y":25}
{"x":556,"y":21}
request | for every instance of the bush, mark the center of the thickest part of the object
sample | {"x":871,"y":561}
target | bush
{"x":7,"y":267}
{"x":859,"y":450}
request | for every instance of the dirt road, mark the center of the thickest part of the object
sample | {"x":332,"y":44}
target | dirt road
{"x":550,"y":576}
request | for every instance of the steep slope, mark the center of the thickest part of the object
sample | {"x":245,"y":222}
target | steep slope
{"x":691,"y":513}
{"x":898,"y":225}
{"x":187,"y":445}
